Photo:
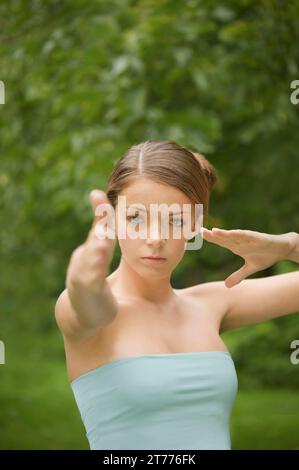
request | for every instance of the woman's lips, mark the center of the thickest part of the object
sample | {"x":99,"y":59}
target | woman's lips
{"x":154,"y":260}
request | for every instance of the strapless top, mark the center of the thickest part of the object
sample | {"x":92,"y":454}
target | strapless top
{"x":159,"y":401}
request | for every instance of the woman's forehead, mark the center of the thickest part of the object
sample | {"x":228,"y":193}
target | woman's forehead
{"x":144,"y":191}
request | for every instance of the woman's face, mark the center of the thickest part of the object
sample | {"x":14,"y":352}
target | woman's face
{"x":151,"y":237}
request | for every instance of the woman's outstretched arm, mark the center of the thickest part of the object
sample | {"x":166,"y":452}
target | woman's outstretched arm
{"x":250,"y":301}
{"x":294,"y":253}
{"x":87,"y":303}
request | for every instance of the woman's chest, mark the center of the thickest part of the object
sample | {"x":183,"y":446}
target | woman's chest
{"x":139,"y":329}
{"x":186,"y":326}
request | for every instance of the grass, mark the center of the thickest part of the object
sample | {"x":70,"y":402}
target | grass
{"x":265,"y":419}
{"x":38,"y":410}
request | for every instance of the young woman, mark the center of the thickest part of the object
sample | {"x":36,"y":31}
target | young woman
{"x":145,"y":361}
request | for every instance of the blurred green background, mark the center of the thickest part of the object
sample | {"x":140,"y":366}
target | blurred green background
{"x":85,"y":81}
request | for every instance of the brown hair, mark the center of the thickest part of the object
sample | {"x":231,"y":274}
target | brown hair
{"x":165,"y":162}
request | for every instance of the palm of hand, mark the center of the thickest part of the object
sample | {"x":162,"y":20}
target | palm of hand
{"x":259,"y":250}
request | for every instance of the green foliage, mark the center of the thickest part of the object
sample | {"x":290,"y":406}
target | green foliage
{"x":264,"y":357}
{"x":265,"y":418}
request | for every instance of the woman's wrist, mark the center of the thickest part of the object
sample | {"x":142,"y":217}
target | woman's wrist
{"x":293,"y":252}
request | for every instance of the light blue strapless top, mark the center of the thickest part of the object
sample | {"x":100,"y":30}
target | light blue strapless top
{"x":159,"y":401}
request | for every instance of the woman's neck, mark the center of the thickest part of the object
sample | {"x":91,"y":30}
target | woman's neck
{"x":130,"y":283}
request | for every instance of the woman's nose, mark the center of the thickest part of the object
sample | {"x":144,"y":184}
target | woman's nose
{"x":155,"y":242}
{"x":156,"y":235}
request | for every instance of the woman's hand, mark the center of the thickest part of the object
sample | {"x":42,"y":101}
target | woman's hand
{"x":88,"y":303}
{"x":259,"y":250}
{"x":90,"y":261}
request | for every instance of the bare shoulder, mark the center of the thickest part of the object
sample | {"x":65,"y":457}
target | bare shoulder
{"x":214,"y":295}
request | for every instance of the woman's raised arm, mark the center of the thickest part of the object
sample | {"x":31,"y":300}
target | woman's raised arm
{"x":255,"y":300}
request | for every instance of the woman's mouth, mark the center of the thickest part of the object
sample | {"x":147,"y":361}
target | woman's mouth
{"x":153,"y":260}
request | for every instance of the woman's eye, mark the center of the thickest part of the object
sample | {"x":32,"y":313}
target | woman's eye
{"x":132,"y":218}
{"x":179,"y":222}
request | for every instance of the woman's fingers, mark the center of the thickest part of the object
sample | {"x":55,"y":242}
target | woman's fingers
{"x":248,"y":244}
{"x":101,"y":238}
{"x":97,"y":199}
{"x":220,"y":237}
{"x":231,"y":239}
{"x":102,"y":208}
{"x":89,"y":263}
{"x":238,"y":276}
